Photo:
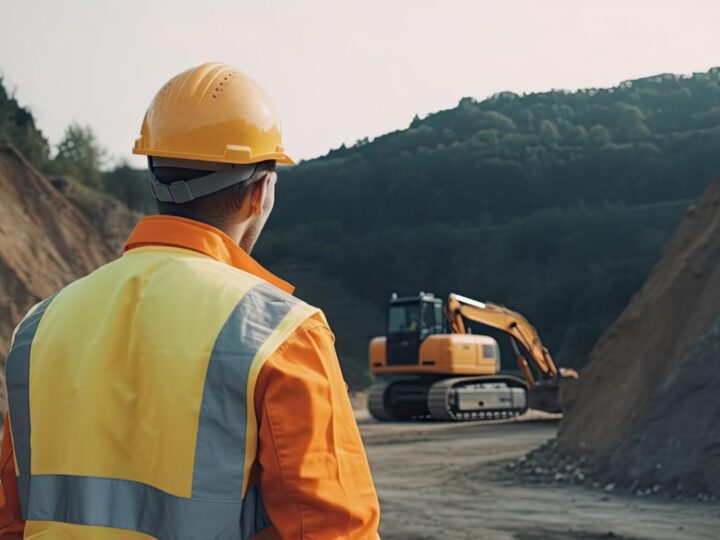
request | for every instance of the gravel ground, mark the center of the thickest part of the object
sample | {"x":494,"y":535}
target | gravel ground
{"x":452,"y":481}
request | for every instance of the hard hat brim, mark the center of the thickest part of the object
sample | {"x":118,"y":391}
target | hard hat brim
{"x":240,"y":156}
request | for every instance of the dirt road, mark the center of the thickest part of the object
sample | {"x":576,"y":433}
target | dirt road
{"x":437,"y":481}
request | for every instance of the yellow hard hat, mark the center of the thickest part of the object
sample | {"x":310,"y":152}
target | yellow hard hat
{"x":213,"y":112}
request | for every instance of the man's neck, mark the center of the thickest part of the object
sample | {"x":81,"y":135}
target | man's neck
{"x":236,"y":231}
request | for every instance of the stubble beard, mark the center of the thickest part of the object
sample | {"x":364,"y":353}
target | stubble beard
{"x":251,"y":236}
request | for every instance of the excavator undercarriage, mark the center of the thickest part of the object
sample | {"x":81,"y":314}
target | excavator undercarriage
{"x":448,"y":399}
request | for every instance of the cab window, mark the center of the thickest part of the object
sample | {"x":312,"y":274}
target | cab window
{"x":404,"y":318}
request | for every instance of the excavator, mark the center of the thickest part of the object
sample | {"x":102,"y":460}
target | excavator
{"x":431,"y":365}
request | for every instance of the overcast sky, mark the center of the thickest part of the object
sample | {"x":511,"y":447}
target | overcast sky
{"x":337,"y":70}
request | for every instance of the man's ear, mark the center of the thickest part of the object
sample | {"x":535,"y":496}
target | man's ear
{"x":258,"y":192}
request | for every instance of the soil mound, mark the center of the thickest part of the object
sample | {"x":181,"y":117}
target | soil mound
{"x":673,"y":449}
{"x":678,"y":303}
{"x":45,"y":242}
{"x":675,"y":446}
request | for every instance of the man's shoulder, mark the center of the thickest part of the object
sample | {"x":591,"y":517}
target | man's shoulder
{"x":264,"y":292}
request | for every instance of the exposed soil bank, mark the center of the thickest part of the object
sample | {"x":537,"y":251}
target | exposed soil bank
{"x":677,"y":304}
{"x":50,"y":235}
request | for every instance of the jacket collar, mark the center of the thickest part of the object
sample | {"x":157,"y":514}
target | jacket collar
{"x":185,"y":233}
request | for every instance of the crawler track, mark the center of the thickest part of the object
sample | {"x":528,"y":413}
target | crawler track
{"x":455,"y":399}
{"x":445,"y":399}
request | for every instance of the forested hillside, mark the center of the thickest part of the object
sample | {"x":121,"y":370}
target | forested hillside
{"x":557,"y":204}
{"x":17,"y":125}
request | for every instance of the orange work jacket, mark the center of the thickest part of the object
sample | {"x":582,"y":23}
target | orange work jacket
{"x":311,"y":465}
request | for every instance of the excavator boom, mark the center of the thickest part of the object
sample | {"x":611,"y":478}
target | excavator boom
{"x":515,"y":325}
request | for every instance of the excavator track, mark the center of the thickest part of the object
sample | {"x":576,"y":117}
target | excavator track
{"x":477,"y":398}
{"x":376,"y":402}
{"x":402,"y":399}
{"x":455,"y":399}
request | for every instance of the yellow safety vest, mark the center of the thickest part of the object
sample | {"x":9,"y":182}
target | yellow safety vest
{"x":131,"y":399}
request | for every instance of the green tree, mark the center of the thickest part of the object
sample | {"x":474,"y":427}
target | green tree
{"x":129,"y":186}
{"x":17,"y":126}
{"x":549,"y":133}
{"x":631,"y":122}
{"x":598,"y":136}
{"x":80,"y":155}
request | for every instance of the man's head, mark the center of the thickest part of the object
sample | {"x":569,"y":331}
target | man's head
{"x":240,"y":210}
{"x":212,"y":137}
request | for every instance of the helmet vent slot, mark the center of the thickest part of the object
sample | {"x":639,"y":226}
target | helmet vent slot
{"x":220,"y":85}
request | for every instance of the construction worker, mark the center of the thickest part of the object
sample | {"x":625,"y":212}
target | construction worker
{"x":181,"y":391}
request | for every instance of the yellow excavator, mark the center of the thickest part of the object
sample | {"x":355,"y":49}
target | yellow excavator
{"x":430,"y":365}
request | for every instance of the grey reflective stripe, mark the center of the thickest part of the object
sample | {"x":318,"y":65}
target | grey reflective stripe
{"x":17,"y":375}
{"x":220,"y":449}
{"x":122,"y":504}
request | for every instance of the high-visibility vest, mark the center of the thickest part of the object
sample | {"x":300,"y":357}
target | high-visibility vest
{"x":131,"y":399}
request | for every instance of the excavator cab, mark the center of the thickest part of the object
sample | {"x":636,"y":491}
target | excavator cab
{"x":410,"y":321}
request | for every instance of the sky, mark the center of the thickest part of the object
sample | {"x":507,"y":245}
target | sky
{"x":337,"y":70}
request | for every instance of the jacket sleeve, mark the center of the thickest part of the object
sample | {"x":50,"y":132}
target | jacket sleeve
{"x":11,"y":522}
{"x":314,"y":473}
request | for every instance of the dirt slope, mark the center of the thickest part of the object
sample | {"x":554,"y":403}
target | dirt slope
{"x":45,"y":242}
{"x":109,"y":216}
{"x":676,"y":305}
{"x":676,"y":444}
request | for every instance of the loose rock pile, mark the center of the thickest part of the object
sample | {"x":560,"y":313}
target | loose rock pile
{"x":551,"y":464}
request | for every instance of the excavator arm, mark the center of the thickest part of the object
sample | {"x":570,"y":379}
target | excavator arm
{"x":459,"y":308}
